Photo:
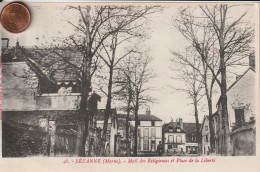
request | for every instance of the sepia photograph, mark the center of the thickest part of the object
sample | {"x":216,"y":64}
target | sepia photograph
{"x":129,"y":80}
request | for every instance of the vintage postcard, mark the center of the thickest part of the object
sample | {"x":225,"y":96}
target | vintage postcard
{"x":111,"y":85}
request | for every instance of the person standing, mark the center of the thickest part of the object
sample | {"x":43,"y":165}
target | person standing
{"x":160,"y":149}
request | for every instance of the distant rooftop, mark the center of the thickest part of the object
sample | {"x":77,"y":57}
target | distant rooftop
{"x":141,"y":117}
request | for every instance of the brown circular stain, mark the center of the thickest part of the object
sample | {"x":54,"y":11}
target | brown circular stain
{"x":15,"y":17}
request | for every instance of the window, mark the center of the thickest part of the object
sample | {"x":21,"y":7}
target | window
{"x":153,"y":134}
{"x":170,"y":139}
{"x":153,"y":123}
{"x":193,"y":137}
{"x":146,"y":145}
{"x":178,"y":139}
{"x":206,"y":128}
{"x":239,"y":115}
{"x":178,"y":130}
{"x":146,"y":132}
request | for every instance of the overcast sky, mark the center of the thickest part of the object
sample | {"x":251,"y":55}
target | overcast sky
{"x":49,"y":21}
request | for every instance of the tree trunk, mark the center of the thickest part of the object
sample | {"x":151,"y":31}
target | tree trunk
{"x":224,"y":110}
{"x":83,"y":118}
{"x":128,"y":150}
{"x":197,"y":125}
{"x":136,"y":124}
{"x":223,"y":86}
{"x":108,"y":109}
{"x":211,"y":128}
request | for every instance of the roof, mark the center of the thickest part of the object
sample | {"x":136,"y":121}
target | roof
{"x":68,"y":117}
{"x":188,"y":128}
{"x":122,"y":124}
{"x":145,"y":118}
{"x":62,"y":116}
{"x":101,"y":114}
{"x":215,"y":114}
{"x":202,"y":124}
{"x":250,"y":68}
{"x":65,"y":119}
{"x":50,"y":61}
{"x":232,"y":85}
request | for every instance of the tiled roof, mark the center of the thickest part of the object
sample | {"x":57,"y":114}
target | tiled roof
{"x":44,"y":58}
{"x":63,"y":117}
{"x":32,"y":117}
{"x":145,"y":118}
{"x":188,"y":128}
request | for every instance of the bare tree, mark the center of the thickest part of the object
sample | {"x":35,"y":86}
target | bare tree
{"x":232,"y":38}
{"x":136,"y":77}
{"x":189,"y":71}
{"x":196,"y":30}
{"x":110,"y":54}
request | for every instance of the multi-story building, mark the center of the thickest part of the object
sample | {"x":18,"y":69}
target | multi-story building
{"x":149,"y":131}
{"x":174,"y":137}
{"x":180,"y":138}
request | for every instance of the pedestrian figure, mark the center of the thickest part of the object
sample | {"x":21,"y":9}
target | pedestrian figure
{"x":160,"y":149}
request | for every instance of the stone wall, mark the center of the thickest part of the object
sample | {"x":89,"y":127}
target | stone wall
{"x":243,"y":143}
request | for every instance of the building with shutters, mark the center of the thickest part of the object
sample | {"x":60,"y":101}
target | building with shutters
{"x":149,"y":131}
{"x":179,"y":138}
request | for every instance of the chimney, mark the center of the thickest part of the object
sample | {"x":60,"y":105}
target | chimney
{"x":181,"y":123}
{"x":237,"y":77}
{"x":252,"y":60}
{"x":148,"y":111}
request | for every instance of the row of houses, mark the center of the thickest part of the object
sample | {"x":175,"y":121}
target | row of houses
{"x":176,"y":137}
{"x":242,"y":111}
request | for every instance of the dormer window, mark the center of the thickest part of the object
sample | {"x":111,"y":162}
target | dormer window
{"x":178,"y":130}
